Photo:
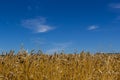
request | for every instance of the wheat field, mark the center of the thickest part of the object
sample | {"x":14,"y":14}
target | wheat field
{"x":39,"y":66}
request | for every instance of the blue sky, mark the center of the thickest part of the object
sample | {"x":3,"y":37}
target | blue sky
{"x":54,"y":25}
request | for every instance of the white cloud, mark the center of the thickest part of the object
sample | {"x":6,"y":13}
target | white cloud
{"x":38,"y":25}
{"x":115,"y":5}
{"x":93,"y":27}
{"x":44,"y":28}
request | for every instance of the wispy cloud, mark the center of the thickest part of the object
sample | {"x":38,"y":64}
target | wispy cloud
{"x":63,"y":45}
{"x":115,"y":5}
{"x":93,"y":27}
{"x":38,"y":41}
{"x":38,"y":25}
{"x":29,"y":8}
{"x":115,"y":8}
{"x":58,"y":47}
{"x":116,"y":20}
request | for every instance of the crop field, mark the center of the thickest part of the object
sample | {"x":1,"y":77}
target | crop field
{"x":39,"y":66}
